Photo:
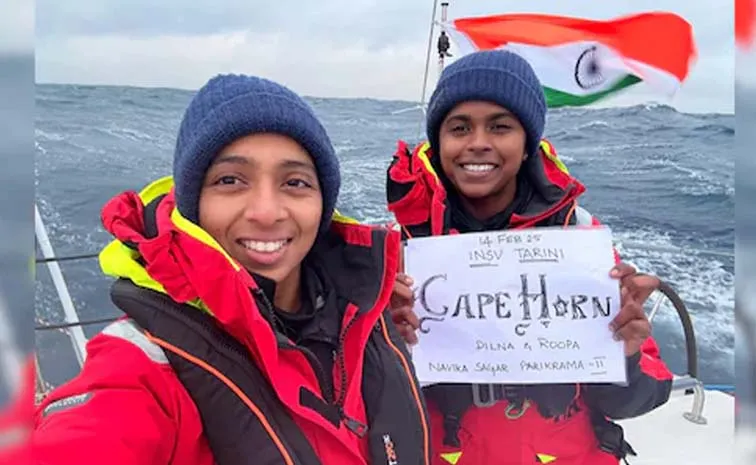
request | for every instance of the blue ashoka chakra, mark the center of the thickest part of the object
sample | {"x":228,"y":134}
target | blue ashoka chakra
{"x":588,"y":71}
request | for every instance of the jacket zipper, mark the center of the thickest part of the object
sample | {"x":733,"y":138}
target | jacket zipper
{"x":352,"y":424}
{"x":270,"y":314}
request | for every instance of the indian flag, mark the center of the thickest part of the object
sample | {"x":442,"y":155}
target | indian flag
{"x":580,"y":61}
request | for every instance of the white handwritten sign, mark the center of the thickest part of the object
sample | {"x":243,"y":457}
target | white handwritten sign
{"x":529,"y":306}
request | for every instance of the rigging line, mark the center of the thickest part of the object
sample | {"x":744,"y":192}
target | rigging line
{"x":76,"y":323}
{"x":66,"y":258}
{"x":427,"y":66}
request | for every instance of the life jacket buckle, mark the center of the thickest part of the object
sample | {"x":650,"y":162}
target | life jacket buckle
{"x":514,"y":411}
{"x":478,"y":396}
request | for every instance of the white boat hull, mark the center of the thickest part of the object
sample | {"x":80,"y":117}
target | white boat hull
{"x":666,"y":437}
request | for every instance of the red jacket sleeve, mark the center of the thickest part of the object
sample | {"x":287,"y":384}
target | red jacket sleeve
{"x":649,"y":386}
{"x":649,"y":382}
{"x":124,"y":408}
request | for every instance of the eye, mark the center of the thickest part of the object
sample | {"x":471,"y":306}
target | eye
{"x":297,"y":183}
{"x":227,"y":180}
{"x":500,"y":127}
{"x":458,"y":129}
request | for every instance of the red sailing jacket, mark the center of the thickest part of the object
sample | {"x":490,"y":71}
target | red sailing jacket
{"x":417,"y":198}
{"x":197,"y":376}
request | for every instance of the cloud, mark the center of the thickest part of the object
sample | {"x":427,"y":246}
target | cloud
{"x":17,"y":27}
{"x":329,"y":20}
{"x":188,"y":61}
{"x":330,"y":48}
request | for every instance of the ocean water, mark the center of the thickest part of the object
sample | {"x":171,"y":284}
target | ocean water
{"x":662,"y":180}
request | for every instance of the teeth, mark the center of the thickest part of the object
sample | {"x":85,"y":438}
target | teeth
{"x":478,"y":168}
{"x":267,"y":247}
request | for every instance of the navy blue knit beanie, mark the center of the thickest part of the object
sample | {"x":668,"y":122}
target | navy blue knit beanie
{"x":232,"y":106}
{"x":496,"y":76}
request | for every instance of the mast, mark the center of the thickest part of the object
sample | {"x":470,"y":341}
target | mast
{"x":428,"y":55}
{"x":433,"y":22}
{"x":444,"y":7}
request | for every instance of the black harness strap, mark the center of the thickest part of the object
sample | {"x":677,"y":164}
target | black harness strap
{"x":611,"y":437}
{"x":453,"y":401}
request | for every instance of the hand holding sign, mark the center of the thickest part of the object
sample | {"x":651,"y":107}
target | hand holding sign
{"x":631,"y":325}
{"x":402,"y":301}
{"x":400,"y":307}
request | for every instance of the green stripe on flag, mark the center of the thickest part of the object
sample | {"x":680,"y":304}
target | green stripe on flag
{"x":556,"y":98}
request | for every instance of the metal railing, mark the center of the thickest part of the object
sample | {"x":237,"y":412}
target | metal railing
{"x":688,"y":382}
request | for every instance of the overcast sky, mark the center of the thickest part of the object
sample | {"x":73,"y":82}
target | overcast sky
{"x":327,"y":48}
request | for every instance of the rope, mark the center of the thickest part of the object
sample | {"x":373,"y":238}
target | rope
{"x":77,"y":323}
{"x":58,"y":326}
{"x":68,"y":258}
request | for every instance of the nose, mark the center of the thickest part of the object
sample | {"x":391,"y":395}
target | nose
{"x":479,"y":141}
{"x":264,"y":205}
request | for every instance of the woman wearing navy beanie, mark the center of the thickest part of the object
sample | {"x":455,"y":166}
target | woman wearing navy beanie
{"x":489,"y":169}
{"x":257,"y":328}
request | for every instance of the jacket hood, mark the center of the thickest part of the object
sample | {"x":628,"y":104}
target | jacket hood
{"x":156,"y":248}
{"x":417,"y":188}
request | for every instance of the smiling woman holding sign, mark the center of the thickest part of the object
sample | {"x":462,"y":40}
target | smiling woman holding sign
{"x":486,"y":168}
